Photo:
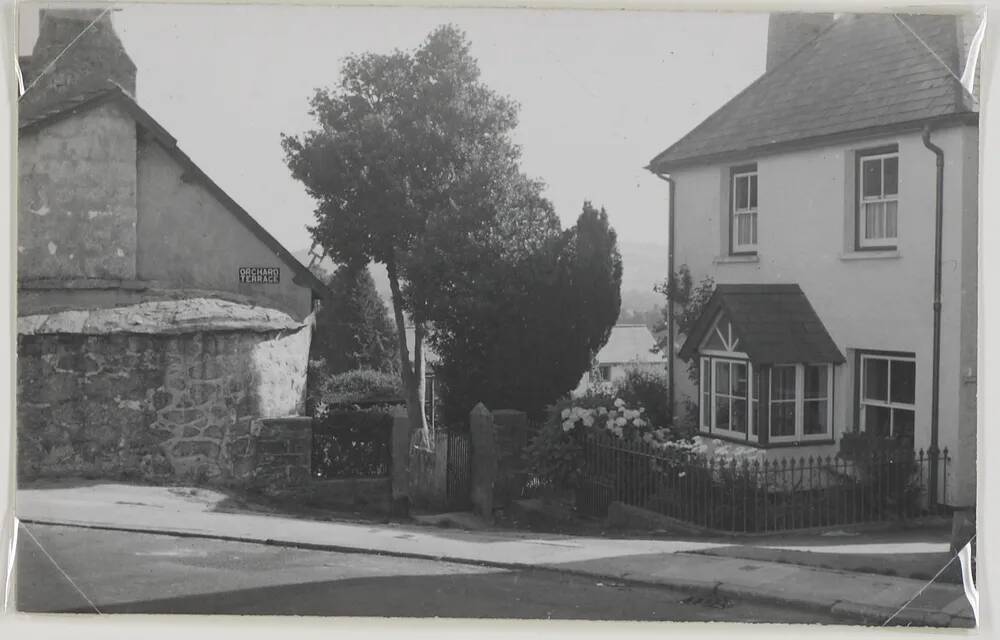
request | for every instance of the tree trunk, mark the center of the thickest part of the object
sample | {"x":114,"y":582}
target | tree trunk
{"x":411,"y":373}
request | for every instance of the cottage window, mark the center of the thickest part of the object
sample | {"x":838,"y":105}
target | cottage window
{"x":800,"y":405}
{"x":887,"y":394}
{"x":878,"y":199}
{"x":729,"y":397}
{"x":604,"y":373}
{"x":743,"y":222}
{"x":728,"y":389}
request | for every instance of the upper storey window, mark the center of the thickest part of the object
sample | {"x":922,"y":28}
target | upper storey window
{"x":878,"y":199}
{"x":743,"y":218}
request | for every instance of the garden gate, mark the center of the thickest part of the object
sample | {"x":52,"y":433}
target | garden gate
{"x":459,"y":482}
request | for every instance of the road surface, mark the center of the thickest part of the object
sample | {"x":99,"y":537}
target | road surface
{"x":69,"y":569}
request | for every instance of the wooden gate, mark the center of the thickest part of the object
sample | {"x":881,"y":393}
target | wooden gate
{"x":459,"y":471}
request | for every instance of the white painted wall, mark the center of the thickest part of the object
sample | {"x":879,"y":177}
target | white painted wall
{"x":805,"y":236}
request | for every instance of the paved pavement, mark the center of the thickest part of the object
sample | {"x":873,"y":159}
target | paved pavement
{"x":125,"y":572}
{"x":864,"y":597}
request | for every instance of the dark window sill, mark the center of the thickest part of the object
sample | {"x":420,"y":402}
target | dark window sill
{"x":767,"y":445}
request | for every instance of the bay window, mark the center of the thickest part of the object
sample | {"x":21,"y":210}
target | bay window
{"x":800,"y":402}
{"x":765,"y":366}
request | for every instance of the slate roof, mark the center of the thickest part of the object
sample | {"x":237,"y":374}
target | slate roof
{"x":629,"y":343}
{"x":33,"y":117}
{"x":861,"y":75}
{"x":774,"y":322}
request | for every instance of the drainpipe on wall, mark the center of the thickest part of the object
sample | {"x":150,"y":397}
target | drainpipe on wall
{"x":670,"y":303}
{"x":932,"y":478}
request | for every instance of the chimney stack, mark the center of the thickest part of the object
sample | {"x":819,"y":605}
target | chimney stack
{"x":95,"y":58}
{"x":788,"y":32}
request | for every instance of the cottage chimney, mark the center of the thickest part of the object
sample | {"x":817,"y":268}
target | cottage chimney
{"x":94,"y":58}
{"x":788,"y":32}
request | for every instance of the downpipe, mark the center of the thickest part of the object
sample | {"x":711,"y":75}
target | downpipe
{"x":670,"y":302}
{"x":933,"y":453}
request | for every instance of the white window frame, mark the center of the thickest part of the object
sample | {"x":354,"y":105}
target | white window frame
{"x":800,"y":386}
{"x":751,"y":213}
{"x":882,"y":198}
{"x":889,"y":404}
{"x":709,"y":360}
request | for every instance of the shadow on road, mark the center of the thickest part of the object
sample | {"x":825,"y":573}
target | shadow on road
{"x":518,"y":595}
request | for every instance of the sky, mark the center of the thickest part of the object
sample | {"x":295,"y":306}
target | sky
{"x":601,"y":92}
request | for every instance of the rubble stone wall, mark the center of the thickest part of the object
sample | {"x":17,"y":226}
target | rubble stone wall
{"x":77,"y":198}
{"x":153,"y":406}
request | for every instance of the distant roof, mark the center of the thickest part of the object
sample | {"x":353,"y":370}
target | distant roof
{"x":775,"y":324}
{"x":32,"y":117}
{"x":861,"y":75}
{"x":629,"y":343}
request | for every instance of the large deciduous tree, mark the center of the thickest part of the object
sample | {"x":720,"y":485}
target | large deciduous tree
{"x":410,"y":152}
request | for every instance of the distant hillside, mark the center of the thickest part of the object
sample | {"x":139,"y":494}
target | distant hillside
{"x":643,"y":265}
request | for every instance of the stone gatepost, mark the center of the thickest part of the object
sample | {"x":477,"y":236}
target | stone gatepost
{"x":400,"y":462}
{"x":484,"y":461}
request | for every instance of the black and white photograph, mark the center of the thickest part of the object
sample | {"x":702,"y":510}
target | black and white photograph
{"x":497,"y":313}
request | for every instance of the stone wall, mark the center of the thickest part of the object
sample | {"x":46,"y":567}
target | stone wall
{"x":99,"y":402}
{"x":77,"y":198}
{"x":281,"y":453}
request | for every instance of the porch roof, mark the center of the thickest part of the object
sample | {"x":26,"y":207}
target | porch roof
{"x":774,"y":322}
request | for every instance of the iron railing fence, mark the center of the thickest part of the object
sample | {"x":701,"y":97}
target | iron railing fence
{"x":753,"y":496}
{"x":352,"y":444}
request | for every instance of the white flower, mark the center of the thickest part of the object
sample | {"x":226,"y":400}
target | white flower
{"x":565,"y":413}
{"x":682,"y":474}
{"x":601,"y":411}
{"x":620,"y":422}
{"x":639,"y":423}
{"x":588,"y":421}
{"x":568,"y":425}
{"x":619,"y":403}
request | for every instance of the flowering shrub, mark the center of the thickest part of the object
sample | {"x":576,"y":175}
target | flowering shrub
{"x":648,"y":389}
{"x":556,"y":455}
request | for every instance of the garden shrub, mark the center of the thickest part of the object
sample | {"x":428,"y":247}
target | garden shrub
{"x":360,"y":386}
{"x":351,"y":442}
{"x":647,"y":389}
{"x":556,"y":454}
